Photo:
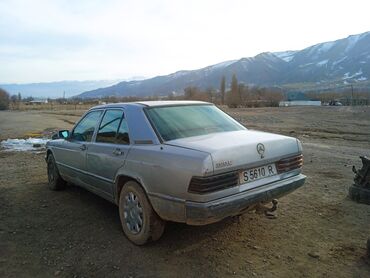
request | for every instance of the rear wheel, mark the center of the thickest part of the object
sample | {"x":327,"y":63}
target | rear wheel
{"x":140,"y":222}
{"x":55,"y":180}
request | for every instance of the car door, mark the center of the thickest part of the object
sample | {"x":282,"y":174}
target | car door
{"x":108,"y":151}
{"x":73,"y":155}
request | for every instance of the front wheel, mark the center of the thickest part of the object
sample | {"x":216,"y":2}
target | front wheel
{"x":55,"y":181}
{"x":140,"y":222}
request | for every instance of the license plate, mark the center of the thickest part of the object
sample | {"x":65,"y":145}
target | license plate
{"x":257,"y":173}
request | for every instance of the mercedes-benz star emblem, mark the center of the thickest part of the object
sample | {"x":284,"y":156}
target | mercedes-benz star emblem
{"x":261,"y":149}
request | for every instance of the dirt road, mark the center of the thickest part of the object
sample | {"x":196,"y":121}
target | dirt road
{"x":318,"y":231}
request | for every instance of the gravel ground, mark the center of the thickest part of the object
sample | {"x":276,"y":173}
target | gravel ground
{"x":318,"y":231}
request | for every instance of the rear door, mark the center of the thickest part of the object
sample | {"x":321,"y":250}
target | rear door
{"x":72,"y":158}
{"x":108,"y":152}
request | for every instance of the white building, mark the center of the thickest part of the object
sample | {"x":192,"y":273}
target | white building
{"x":40,"y":101}
{"x":300,"y":103}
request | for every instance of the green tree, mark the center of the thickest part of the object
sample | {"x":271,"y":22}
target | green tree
{"x":4,"y":100}
{"x":222,"y":89}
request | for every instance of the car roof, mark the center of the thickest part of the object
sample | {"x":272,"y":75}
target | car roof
{"x":170,"y":102}
{"x":151,"y":103}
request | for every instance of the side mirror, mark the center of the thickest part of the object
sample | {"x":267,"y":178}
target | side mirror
{"x":61,"y":134}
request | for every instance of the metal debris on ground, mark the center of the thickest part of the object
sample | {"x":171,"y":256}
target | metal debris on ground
{"x":360,"y":190}
{"x":362,"y":177}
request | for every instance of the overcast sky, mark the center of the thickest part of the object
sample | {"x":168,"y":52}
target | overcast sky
{"x":55,"y":40}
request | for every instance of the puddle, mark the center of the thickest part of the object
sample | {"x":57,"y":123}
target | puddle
{"x":30,"y":144}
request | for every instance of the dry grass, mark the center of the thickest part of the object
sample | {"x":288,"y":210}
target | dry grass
{"x":53,"y":106}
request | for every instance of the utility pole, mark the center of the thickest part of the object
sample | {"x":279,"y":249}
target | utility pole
{"x":352,"y":94}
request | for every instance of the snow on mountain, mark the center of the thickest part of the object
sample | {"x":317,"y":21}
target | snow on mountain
{"x":344,"y":60}
{"x":353,"y":40}
{"x":322,"y":63}
{"x":348,"y":76}
{"x":222,"y":64}
{"x":339,"y":61}
{"x":287,"y":56}
{"x":325,"y":47}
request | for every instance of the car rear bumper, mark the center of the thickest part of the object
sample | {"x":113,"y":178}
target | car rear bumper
{"x":197,"y":213}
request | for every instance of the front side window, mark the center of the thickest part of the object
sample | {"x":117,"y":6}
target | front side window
{"x":174,"y":122}
{"x":85,"y":128}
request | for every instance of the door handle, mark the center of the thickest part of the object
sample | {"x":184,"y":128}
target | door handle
{"x":83,"y":147}
{"x":118,"y":152}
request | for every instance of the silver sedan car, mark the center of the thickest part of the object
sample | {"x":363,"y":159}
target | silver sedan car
{"x":182,"y":161}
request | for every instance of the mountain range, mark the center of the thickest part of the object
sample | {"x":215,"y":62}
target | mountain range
{"x":59,"y":89}
{"x":56,"y":89}
{"x":329,"y":64}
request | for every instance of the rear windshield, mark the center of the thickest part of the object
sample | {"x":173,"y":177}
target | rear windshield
{"x":174,"y":122}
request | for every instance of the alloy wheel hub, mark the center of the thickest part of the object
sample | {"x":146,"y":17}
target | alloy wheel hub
{"x":133,"y":213}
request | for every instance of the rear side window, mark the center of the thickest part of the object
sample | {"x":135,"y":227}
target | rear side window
{"x":122,"y":137}
{"x":109,"y":126}
{"x":85,"y":128}
{"x":113,"y":128}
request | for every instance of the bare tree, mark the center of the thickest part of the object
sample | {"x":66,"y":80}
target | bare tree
{"x":233,"y":96}
{"x":14,"y":101}
{"x":4,"y":99}
{"x":191,"y":92}
{"x":222,"y":89}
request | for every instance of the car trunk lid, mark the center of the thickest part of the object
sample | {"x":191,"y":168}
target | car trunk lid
{"x":240,"y":149}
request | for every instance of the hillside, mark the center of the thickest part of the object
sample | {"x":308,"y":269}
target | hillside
{"x":335,"y":63}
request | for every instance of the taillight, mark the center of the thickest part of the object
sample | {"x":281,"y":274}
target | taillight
{"x":213,"y":183}
{"x":290,"y":163}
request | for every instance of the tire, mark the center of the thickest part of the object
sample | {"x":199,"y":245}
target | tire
{"x":55,"y":181}
{"x":140,"y":222}
{"x":359,"y":194}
